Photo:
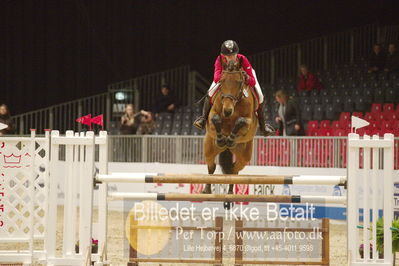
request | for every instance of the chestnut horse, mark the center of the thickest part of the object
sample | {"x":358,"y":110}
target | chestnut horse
{"x":231,"y":124}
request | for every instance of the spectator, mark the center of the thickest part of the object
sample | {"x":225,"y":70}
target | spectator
{"x":5,"y":118}
{"x":377,"y":59}
{"x":147,"y":123}
{"x":289,"y":117}
{"x":307,"y":80}
{"x":166,"y":102}
{"x":392,"y":60}
{"x":129,"y":121}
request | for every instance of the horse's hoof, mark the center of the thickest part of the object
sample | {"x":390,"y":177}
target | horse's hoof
{"x":228,"y":205}
{"x":230,"y":143}
{"x":221,"y":143}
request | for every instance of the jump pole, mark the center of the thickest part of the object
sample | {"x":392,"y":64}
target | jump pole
{"x":226,"y":197}
{"x":219,"y":179}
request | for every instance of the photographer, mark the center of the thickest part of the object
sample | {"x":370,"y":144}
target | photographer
{"x":129,"y":121}
{"x":147,"y":123}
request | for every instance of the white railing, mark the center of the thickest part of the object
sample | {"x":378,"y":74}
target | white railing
{"x":316,"y":152}
{"x":370,"y":189}
{"x":272,"y":151}
{"x":328,"y":152}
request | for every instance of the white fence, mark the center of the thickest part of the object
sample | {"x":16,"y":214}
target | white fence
{"x":23,"y":196}
{"x":375,"y":189}
{"x":309,"y":152}
{"x":315,"y":152}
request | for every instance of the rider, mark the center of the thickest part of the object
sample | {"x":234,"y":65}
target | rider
{"x":229,"y":52}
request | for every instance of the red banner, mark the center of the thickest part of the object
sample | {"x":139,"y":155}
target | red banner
{"x":85,"y":120}
{"x":98,"y":120}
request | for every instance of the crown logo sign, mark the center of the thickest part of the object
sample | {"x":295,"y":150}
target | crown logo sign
{"x":12,"y":158}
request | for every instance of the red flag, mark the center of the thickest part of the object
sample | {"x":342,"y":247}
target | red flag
{"x":85,"y":120}
{"x":98,"y":120}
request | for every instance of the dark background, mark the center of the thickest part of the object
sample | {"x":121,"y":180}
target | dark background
{"x":53,"y":51}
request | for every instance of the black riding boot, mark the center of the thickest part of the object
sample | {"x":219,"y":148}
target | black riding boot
{"x":266,"y":129}
{"x":200,"y":122}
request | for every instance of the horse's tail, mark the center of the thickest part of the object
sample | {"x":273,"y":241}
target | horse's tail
{"x":226,"y":162}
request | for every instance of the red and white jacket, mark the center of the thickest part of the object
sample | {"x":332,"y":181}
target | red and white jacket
{"x":245,"y":65}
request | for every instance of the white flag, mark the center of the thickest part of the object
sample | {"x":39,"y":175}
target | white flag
{"x":3,"y":126}
{"x":358,"y":122}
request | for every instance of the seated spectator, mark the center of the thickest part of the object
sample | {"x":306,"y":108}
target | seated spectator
{"x":129,"y":121}
{"x":166,"y":102}
{"x":376,"y":59}
{"x":289,"y":117}
{"x":5,"y":118}
{"x":392,"y":60}
{"x":147,"y":123}
{"x":307,"y":80}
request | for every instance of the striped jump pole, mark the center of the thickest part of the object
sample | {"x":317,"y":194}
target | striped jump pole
{"x":226,"y":197}
{"x":219,"y":179}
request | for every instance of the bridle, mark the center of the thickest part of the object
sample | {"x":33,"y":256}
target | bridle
{"x":231,"y":96}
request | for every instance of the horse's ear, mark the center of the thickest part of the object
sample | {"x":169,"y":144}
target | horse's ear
{"x":224,"y":65}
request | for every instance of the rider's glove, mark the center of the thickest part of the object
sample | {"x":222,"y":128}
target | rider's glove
{"x":246,"y":77}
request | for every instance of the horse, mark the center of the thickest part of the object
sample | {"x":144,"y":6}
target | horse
{"x":231,"y":124}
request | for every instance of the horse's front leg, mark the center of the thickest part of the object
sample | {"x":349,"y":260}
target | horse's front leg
{"x":210,"y":154}
{"x":220,"y":139}
{"x":239,"y":124}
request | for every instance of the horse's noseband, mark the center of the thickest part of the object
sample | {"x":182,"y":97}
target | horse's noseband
{"x":230,"y":96}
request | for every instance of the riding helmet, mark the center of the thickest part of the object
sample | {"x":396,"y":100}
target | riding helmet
{"x":229,"y":47}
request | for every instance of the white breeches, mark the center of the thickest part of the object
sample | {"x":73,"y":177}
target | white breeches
{"x":214,"y":86}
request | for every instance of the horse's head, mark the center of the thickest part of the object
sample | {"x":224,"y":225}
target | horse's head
{"x":232,"y":84}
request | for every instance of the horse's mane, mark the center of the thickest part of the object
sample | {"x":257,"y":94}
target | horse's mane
{"x":232,"y":66}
